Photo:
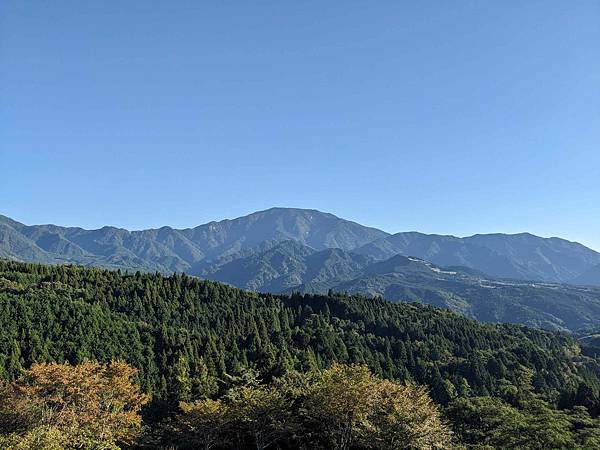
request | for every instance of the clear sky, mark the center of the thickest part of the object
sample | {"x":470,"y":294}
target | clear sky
{"x":449,"y":117}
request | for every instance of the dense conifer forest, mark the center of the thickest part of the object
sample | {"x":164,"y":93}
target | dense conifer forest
{"x":218,"y":367}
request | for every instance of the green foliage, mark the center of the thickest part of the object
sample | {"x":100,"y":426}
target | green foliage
{"x":196,"y":341}
{"x":290,"y":266}
{"x":184,"y":334}
{"x":282,"y":250}
{"x":523,"y":421}
{"x":488,"y":423}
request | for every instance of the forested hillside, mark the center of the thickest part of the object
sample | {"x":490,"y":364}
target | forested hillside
{"x":291,"y":267}
{"x":187,"y":337}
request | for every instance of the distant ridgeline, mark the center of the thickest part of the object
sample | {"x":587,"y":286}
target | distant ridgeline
{"x":284,"y":250}
{"x":181,"y":327}
{"x":291,"y":267}
{"x":193,"y":250}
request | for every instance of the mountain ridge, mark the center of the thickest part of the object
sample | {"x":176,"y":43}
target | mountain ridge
{"x":521,"y":256}
{"x":168,"y":249}
{"x":290,"y":267}
{"x":165,"y":249}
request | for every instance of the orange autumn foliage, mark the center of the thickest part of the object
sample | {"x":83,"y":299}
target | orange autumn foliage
{"x":91,"y":399}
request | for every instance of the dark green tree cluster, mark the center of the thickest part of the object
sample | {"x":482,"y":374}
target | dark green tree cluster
{"x":522,"y":420}
{"x":187,"y":336}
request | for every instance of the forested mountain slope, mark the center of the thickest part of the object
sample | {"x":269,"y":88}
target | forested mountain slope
{"x":289,"y":266}
{"x":166,"y":325}
{"x":200,"y":342}
{"x":537,"y":304}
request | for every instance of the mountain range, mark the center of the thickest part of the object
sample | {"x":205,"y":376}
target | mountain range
{"x":520,"y":278}
{"x":187,"y":250}
{"x":292,"y":267}
{"x":518,"y":256}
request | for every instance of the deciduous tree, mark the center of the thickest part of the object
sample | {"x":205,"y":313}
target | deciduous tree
{"x":89,"y":404}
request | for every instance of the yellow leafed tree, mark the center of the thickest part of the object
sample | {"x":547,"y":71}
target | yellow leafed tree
{"x":356,"y":407}
{"x":342,"y":407}
{"x":90,"y":405}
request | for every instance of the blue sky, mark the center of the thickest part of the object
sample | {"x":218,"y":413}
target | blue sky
{"x":443,"y":117}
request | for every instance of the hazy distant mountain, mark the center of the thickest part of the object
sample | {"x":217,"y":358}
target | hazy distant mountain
{"x":283,"y":250}
{"x":519,"y":256}
{"x":194,"y":250}
{"x":167,"y":249}
{"x":553,"y":306}
{"x":589,"y":278}
{"x":288,"y":265}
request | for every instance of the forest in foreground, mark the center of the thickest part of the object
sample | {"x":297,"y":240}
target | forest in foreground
{"x":92,"y":358}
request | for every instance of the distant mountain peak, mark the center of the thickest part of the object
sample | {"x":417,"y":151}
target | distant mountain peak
{"x":518,"y":256}
{"x":293,"y":249}
{"x":166,"y":249}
